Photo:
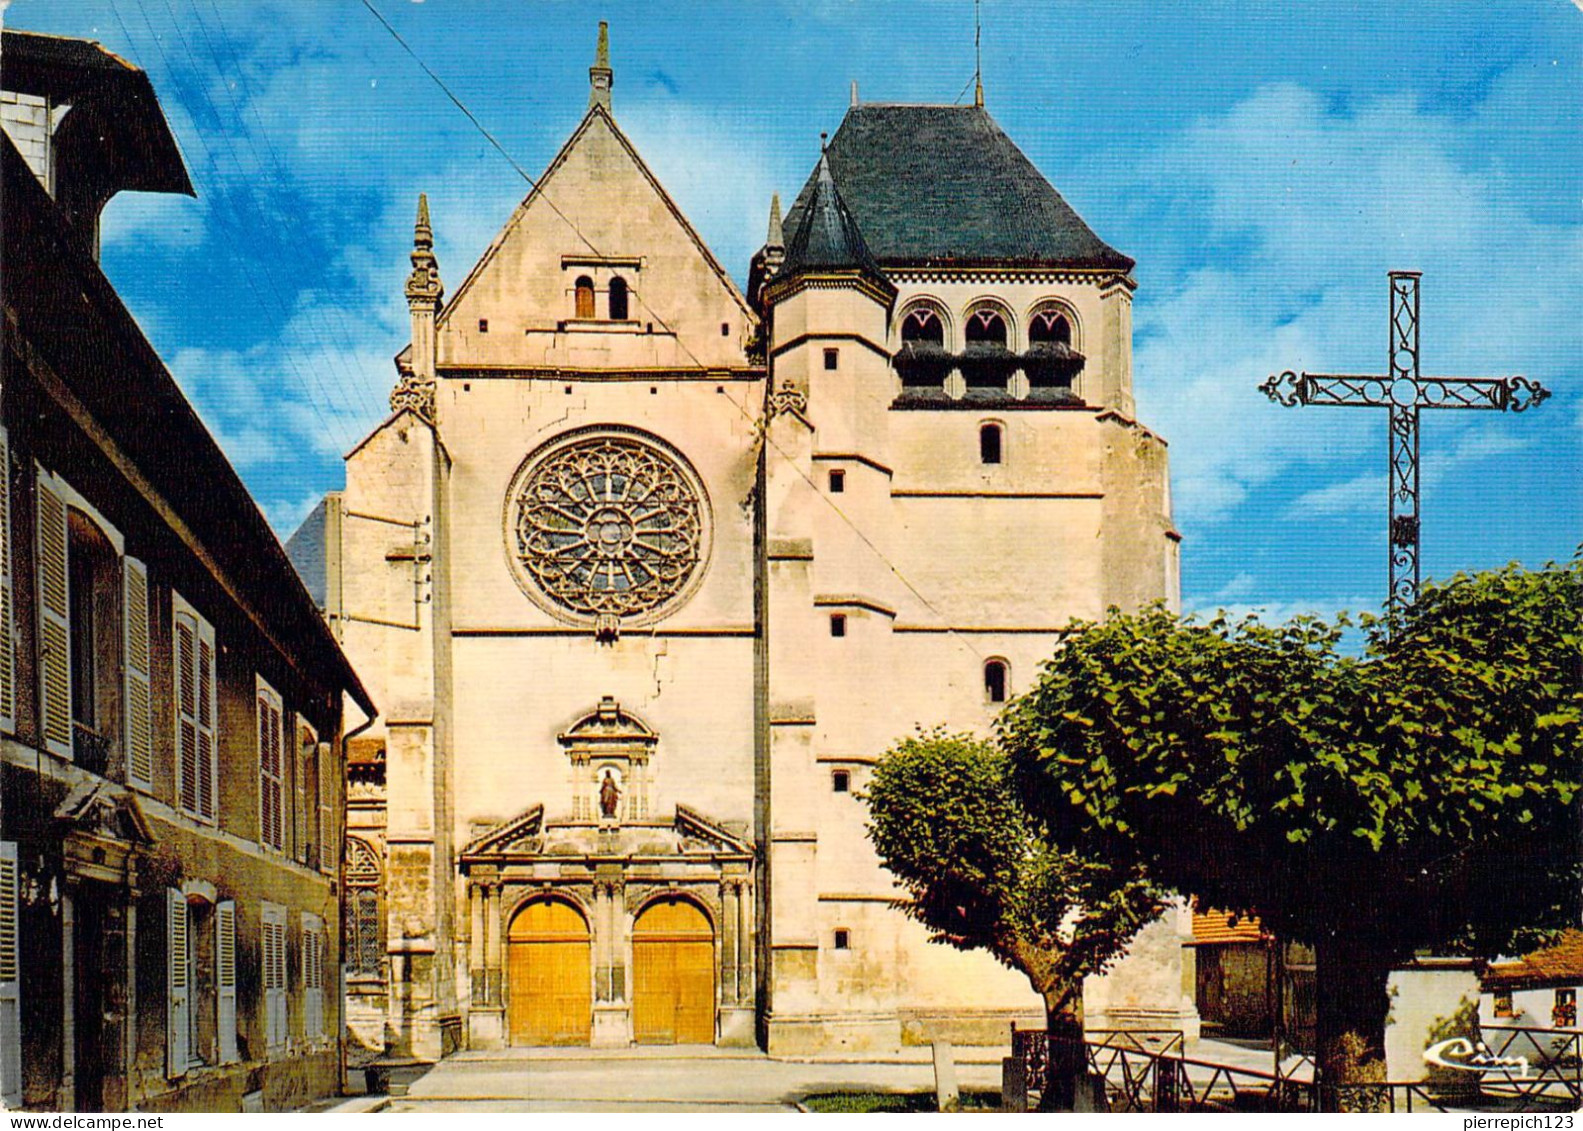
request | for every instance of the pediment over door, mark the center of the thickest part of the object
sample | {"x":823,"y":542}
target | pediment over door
{"x":102,"y":826}
{"x":531,"y":838}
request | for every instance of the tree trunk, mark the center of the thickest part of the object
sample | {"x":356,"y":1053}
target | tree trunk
{"x":1350,"y":977}
{"x":1067,"y":1062}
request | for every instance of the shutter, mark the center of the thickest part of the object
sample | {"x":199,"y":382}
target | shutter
{"x":10,"y":982}
{"x":7,"y":631}
{"x":187,"y":712}
{"x":139,"y":720}
{"x":277,"y":799}
{"x":225,"y":978}
{"x":177,"y":1027}
{"x":54,"y":623}
{"x":328,"y":857}
{"x":206,"y":752}
{"x":300,"y":783}
{"x":312,"y":986}
{"x":280,"y":982}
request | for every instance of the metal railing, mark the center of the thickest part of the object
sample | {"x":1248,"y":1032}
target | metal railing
{"x":1139,"y":1078}
{"x":1555,"y":1063}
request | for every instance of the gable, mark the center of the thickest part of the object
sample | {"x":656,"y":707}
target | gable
{"x":597,"y":212}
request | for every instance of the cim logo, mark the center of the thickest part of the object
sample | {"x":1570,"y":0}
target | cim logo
{"x":1473,"y":1056}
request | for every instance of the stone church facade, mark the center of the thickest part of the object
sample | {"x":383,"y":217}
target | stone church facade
{"x":646,"y":572}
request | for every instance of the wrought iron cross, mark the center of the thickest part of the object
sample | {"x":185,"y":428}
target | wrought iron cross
{"x":1404,"y":391}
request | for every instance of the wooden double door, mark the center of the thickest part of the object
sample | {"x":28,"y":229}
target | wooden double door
{"x":673,"y":975}
{"x":549,"y":982}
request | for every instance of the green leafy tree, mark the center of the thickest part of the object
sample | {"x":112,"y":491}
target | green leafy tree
{"x":981,"y":875}
{"x":1423,"y":794}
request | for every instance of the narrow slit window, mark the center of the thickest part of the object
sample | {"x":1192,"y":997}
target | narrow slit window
{"x":989,"y":444}
{"x":618,"y":299}
{"x":837,"y":624}
{"x":995,"y":681}
{"x":841,"y":781}
{"x":837,"y":482}
{"x":843,"y":939}
{"x":725,"y":329}
{"x":832,"y":359}
{"x":483,"y":325}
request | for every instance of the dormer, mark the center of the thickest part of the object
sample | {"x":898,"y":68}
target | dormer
{"x":87,"y":123}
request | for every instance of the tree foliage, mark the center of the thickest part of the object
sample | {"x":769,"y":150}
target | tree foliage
{"x":1423,"y":794}
{"x":980,"y":873}
{"x":1260,"y":768}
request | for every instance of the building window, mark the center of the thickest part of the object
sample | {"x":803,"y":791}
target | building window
{"x":843,"y":939}
{"x":272,"y":959}
{"x":832,"y":358}
{"x":93,"y":588}
{"x":837,"y":624}
{"x":841,"y":781}
{"x":313,"y":961}
{"x":585,"y":297}
{"x":1049,"y":326}
{"x":483,"y":325}
{"x":193,"y":674}
{"x":837,"y":482}
{"x":923,"y":325}
{"x":986,"y":327}
{"x":989,"y":443}
{"x":271,"y":765}
{"x":364,"y":945}
{"x":1503,"y":1004}
{"x":1565,"y":1013}
{"x":200,"y":987}
{"x":618,"y":299}
{"x":725,"y":329}
{"x":995,"y":681}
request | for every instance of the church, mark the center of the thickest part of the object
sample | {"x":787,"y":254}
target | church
{"x":645,"y":571}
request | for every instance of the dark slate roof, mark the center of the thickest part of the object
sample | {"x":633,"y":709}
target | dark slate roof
{"x":945,"y":185}
{"x":825,"y":237}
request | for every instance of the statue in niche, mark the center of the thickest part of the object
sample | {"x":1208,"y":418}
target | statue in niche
{"x":609,"y":795}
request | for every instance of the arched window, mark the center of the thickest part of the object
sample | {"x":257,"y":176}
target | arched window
{"x":585,"y":297}
{"x":986,"y":327}
{"x":618,"y":299}
{"x":923,"y":325}
{"x":989,"y":446}
{"x":1049,"y":326}
{"x":995,"y":680}
{"x":365,"y":945}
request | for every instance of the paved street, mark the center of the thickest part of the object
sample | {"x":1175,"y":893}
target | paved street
{"x":659,"y":1079}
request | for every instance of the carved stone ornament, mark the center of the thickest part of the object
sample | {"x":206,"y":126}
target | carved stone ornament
{"x":607,"y":524}
{"x":788,"y":398}
{"x":414,"y":394}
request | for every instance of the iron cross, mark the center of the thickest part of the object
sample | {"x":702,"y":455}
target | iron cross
{"x":1405,"y":392}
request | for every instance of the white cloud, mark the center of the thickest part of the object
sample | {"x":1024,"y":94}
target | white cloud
{"x":1315,"y":205}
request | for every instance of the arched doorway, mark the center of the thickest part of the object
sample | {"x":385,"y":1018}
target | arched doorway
{"x":673,"y":974}
{"x":548,"y":980}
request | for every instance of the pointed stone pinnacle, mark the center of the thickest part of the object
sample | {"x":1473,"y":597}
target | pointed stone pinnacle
{"x":777,"y":237}
{"x":600,"y":77}
{"x":422,"y":233}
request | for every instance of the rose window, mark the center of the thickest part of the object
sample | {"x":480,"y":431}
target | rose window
{"x":607,"y":525}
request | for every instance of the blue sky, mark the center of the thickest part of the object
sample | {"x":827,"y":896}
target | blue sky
{"x":1266,"y":164}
